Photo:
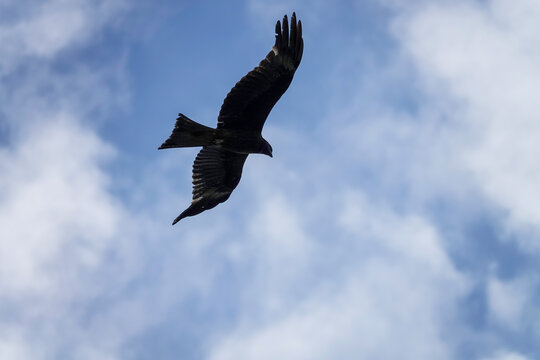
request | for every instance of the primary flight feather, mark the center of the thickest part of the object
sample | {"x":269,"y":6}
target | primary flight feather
{"x":218,"y":166}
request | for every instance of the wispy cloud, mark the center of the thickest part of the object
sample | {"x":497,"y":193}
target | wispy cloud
{"x":46,"y":28}
{"x":373,"y":258}
{"x":462,"y":58}
{"x":60,"y":223}
{"x":508,"y":301}
{"x":505,"y":355}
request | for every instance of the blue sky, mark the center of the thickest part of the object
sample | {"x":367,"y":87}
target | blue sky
{"x":397,"y":219}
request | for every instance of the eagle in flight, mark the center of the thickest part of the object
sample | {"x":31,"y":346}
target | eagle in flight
{"x":218,"y":166}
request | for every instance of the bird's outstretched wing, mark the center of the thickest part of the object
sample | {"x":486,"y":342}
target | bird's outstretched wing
{"x":216,"y":173}
{"x":249,"y":102}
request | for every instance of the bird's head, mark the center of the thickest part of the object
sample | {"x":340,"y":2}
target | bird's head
{"x":266,"y":148}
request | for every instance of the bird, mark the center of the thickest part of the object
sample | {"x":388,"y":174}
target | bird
{"x":217,"y":168}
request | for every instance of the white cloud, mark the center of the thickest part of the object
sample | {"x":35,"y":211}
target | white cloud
{"x":380,"y":275}
{"x":12,"y":346}
{"x":66,"y":241}
{"x":52,"y":193}
{"x":485,"y":58}
{"x":509,"y":302}
{"x":65,"y":238}
{"x":46,"y":28}
{"x":506,"y":355}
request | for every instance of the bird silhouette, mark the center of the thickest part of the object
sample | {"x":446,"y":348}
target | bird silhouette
{"x":217,"y":169}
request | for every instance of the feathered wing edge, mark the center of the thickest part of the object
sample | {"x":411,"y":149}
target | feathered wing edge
{"x":216,"y":173}
{"x":290,"y":45}
{"x":250,"y":101}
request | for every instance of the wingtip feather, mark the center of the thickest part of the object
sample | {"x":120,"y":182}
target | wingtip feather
{"x":299,"y":31}
{"x":278,"y":35}
{"x":292,"y":42}
{"x":289,"y":38}
{"x":179,"y":217}
{"x":285,"y":32}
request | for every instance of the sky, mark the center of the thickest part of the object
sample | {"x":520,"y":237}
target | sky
{"x":398,"y":218}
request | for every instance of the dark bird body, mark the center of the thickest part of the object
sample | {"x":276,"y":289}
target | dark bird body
{"x":218,"y":166}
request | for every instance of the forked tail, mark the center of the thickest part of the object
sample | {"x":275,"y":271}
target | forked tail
{"x":187,"y":133}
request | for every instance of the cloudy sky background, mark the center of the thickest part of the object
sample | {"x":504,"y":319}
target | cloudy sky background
{"x":399,"y":216}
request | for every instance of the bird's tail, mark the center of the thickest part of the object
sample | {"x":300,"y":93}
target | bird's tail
{"x":188,"y":133}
